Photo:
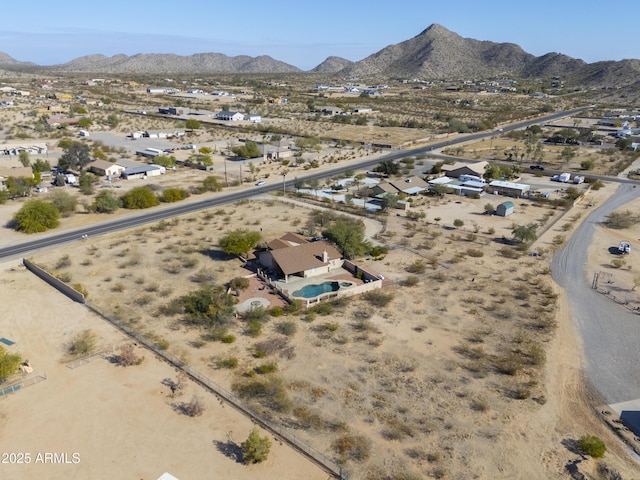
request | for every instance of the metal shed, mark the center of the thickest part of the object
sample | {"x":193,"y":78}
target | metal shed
{"x":504,"y":209}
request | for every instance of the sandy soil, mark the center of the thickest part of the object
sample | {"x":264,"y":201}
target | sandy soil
{"x":418,"y":378}
{"x":120,"y":422}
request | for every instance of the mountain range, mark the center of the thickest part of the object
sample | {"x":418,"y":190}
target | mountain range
{"x":436,"y":53}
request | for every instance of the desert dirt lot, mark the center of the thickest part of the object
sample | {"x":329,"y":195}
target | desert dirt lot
{"x":463,"y":372}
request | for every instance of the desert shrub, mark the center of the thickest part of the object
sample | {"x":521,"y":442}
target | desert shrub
{"x":592,"y":446}
{"x":509,"y":252}
{"x":80,"y":288}
{"x":617,"y":263}
{"x":276,"y":311}
{"x":128,"y":357}
{"x":239,"y":283}
{"x":266,"y":368}
{"x":162,"y":343}
{"x":352,"y":446}
{"x":621,"y":220}
{"x":173,"y":195}
{"x":509,"y":364}
{"x":475,"y":252}
{"x":377,"y":298}
{"x":270,"y":392}
{"x":254,"y":327}
{"x":288,"y":328}
{"x":480,"y":404}
{"x":416,"y":267}
{"x":255,"y":448}
{"x":322,"y":308}
{"x":194,"y":408}
{"x":309,"y":317}
{"x":537,"y":355}
{"x":411,"y":281}
{"x":63,"y":262}
{"x":228,"y":362}
{"x":64,"y":276}
{"x":202,"y":276}
{"x":84,"y":343}
{"x":138,"y":198}
{"x":397,"y":430}
{"x":270,"y":346}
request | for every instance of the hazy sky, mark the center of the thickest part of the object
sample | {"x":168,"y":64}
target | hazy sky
{"x":303,"y":33}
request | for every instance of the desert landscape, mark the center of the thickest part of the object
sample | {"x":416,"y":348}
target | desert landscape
{"x":473,"y":344}
{"x":467,"y":362}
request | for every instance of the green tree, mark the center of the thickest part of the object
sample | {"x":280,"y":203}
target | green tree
{"x":390,"y":200}
{"x":41,"y":166}
{"x":138,"y":198}
{"x":4,"y":196}
{"x":24,"y":158}
{"x":458,"y":223}
{"x":192,"y":124}
{"x":255,"y":449}
{"x":112,"y":120}
{"x":592,"y":446}
{"x":167,"y":161}
{"x":85,"y":122}
{"x":86,"y":182}
{"x":239,"y":242}
{"x":567,"y":154}
{"x":489,"y":208}
{"x":18,"y":186}
{"x":105,"y":202}
{"x":387,"y":167}
{"x":75,"y":157}
{"x":9,"y":363}
{"x":64,"y":202}
{"x":348,"y":236}
{"x":248,"y":150}
{"x":36,"y":216}
{"x":211,"y":184}
{"x":525,"y":233}
{"x":208,"y":306}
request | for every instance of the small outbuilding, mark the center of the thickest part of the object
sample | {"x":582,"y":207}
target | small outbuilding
{"x":505,"y":209}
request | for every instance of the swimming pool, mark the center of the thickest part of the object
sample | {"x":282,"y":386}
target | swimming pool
{"x":316,"y":289}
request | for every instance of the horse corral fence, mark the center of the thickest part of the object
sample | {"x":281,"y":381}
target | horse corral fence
{"x":19,"y":385}
{"x":317,"y":457}
{"x":86,"y":359}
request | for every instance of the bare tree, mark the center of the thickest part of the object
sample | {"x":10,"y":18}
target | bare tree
{"x":128,"y":356}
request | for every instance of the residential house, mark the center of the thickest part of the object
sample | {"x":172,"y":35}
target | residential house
{"x":273,"y":152}
{"x":510,"y":189}
{"x":16,"y":148}
{"x":229,"y":116}
{"x":253,"y":118}
{"x":143,"y":171}
{"x":294,"y":255}
{"x":461,"y":168}
{"x":105,"y":168}
{"x":15,"y":172}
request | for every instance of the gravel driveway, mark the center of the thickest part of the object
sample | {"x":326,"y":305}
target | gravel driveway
{"x":610,"y":333}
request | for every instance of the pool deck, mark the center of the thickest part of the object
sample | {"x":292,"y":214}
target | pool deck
{"x":339,"y":274}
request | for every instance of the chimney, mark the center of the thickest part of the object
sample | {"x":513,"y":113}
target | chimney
{"x":325,"y":256}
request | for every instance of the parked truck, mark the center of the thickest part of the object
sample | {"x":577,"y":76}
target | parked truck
{"x":624,"y":247}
